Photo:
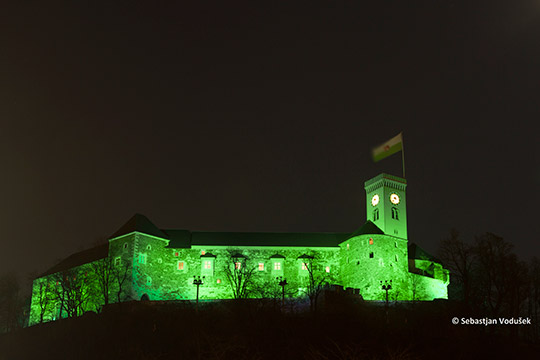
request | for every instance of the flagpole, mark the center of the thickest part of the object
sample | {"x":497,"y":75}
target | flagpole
{"x":403,"y":155}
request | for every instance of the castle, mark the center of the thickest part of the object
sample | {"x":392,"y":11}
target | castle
{"x":142,"y":261}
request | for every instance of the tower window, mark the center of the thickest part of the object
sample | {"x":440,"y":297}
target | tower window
{"x":237,"y":265}
{"x":277,"y":266}
{"x":370,"y":241}
{"x":117,"y":261}
{"x":142,"y":258}
{"x":395,"y":213}
{"x":148,"y":247}
{"x":261,"y":266}
{"x":375,"y":214}
{"x":125,"y":246}
{"x":327,"y":269}
{"x":208,"y":264}
{"x":396,"y":258}
{"x":371,"y":255}
{"x":181,"y":265}
{"x":395,"y":244}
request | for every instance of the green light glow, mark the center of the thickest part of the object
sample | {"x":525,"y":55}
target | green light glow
{"x":143,"y":265}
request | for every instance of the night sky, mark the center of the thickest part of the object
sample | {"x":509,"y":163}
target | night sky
{"x":260,"y":116}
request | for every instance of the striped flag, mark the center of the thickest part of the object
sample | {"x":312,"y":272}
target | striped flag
{"x":390,"y":147}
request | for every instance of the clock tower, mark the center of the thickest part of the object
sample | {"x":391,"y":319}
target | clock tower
{"x":386,"y":204}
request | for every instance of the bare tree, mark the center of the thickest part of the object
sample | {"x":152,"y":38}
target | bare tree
{"x":72,"y":291}
{"x":103,"y":271}
{"x":44,"y":297}
{"x":501,"y":275}
{"x":120,"y":275}
{"x":316,"y":280}
{"x":458,"y":257}
{"x":240,"y":274}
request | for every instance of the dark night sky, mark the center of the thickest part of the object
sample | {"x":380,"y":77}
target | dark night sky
{"x":260,"y":117}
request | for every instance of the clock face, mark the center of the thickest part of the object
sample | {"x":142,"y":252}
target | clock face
{"x":375,"y":200}
{"x":394,"y":199}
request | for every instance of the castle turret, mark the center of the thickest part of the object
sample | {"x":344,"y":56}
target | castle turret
{"x":386,"y":204}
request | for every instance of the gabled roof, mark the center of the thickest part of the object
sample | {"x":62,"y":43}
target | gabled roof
{"x":368,"y":228}
{"x":139,"y":223}
{"x":416,"y":252}
{"x":80,"y":258}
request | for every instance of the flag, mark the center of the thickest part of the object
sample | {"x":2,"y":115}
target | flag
{"x":390,"y":147}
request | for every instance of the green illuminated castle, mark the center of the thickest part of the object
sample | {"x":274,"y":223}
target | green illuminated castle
{"x":142,"y":261}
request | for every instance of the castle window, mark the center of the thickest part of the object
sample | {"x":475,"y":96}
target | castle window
{"x":347,"y":246}
{"x":396,"y":258}
{"x":181,"y":265}
{"x":148,"y":247}
{"x":395,"y":244}
{"x":148,"y":280}
{"x":327,"y":269}
{"x":208,"y":264}
{"x":304,"y":266}
{"x":375,"y":214}
{"x":218,"y":281}
{"x":371,"y":255}
{"x":370,"y":241}
{"x":142,"y":258}
{"x":395,"y":213}
{"x":176,"y":253}
{"x":261,"y":266}
{"x":277,"y":266}
{"x":125,"y":246}
{"x":117,"y":261}
{"x":203,"y":252}
{"x":237,"y":265}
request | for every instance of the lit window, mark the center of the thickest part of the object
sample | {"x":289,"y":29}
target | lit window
{"x":261,"y":266}
{"x":327,"y":269}
{"x":277,"y":266}
{"x":203,"y":252}
{"x":304,"y":266}
{"x":180,"y":265}
{"x":347,"y":246}
{"x":142,"y":258}
{"x":371,"y":255}
{"x":218,"y":281}
{"x":370,"y":241}
{"x":207,"y":264}
{"x":117,"y":261}
{"x":176,"y":253}
{"x":237,"y":265}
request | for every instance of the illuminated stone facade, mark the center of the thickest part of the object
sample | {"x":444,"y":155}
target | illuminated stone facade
{"x":160,"y":264}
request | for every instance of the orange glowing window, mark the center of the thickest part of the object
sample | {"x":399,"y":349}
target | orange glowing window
{"x":180,"y":265}
{"x":370,"y":241}
{"x":261,"y":266}
{"x":207,"y":264}
{"x":237,"y":265}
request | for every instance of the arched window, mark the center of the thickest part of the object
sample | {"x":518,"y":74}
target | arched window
{"x":375,"y":214}
{"x":395,"y":213}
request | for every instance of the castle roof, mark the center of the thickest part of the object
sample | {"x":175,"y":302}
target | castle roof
{"x":186,"y":239}
{"x":417,"y":253}
{"x":80,"y":258}
{"x":142,"y":224}
{"x":368,"y":228}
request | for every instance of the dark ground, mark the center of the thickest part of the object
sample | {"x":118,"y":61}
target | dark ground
{"x":259,"y":331}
